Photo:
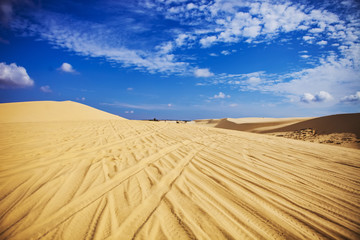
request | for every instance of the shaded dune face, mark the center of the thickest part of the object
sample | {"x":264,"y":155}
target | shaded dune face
{"x":116,"y":179}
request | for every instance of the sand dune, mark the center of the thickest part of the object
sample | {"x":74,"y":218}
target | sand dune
{"x":44,"y":111}
{"x":341,"y":123}
{"x":116,"y":179}
{"x":341,"y":129}
{"x":258,"y":125}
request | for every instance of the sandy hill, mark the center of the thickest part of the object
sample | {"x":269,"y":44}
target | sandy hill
{"x":116,"y":179}
{"x":43,"y":111}
{"x":340,"y":123}
{"x":258,"y":125}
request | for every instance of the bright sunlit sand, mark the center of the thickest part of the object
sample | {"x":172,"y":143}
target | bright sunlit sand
{"x":73,"y":172}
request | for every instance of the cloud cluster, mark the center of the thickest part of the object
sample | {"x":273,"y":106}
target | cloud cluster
{"x":322,"y":96}
{"x":203,"y":24}
{"x":233,"y":21}
{"x":13,"y":76}
{"x":355,"y":98}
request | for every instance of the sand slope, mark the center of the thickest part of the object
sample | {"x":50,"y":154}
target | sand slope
{"x":43,"y":111}
{"x":340,"y":123}
{"x":115,"y":179}
{"x":258,"y":125}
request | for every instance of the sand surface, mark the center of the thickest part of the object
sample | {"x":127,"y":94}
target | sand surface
{"x":121,"y":179}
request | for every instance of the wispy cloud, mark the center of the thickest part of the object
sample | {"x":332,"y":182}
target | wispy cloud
{"x":140,"y":106}
{"x":14,"y":76}
{"x":336,"y":76}
{"x":46,"y":89}
{"x":95,"y":40}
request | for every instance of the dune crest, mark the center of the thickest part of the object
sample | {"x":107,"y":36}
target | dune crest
{"x":44,"y":111}
{"x":115,"y":179}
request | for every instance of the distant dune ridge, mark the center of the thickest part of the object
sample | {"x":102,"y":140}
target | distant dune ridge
{"x":340,"y":123}
{"x":68,"y":171}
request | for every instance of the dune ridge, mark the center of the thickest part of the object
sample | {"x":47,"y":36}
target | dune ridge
{"x":116,"y":179}
{"x":44,"y":111}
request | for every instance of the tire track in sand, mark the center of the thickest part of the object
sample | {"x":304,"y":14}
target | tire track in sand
{"x":87,"y":198}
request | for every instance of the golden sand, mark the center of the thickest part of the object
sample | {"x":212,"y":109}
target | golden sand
{"x":93,"y":178}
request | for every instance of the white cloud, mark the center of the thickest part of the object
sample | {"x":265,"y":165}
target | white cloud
{"x":322,"y":96}
{"x":46,"y":89}
{"x":129,"y":89}
{"x":190,"y":6}
{"x":352,"y":98}
{"x":213,"y":54}
{"x":183,"y":39}
{"x":308,"y":38}
{"x":170,"y":105}
{"x":252,"y":31}
{"x":13,"y":76}
{"x":208,"y":41}
{"x":233,"y":105}
{"x":305,"y":56}
{"x":221,"y":95}
{"x":131,"y":111}
{"x":66,"y":67}
{"x":225,"y":52}
{"x":322,"y":42}
{"x":166,"y":47}
{"x":307,"y":98}
{"x":203,"y":72}
{"x":254,"y":80}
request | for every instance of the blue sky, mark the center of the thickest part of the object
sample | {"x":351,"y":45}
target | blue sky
{"x":181,"y":59}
